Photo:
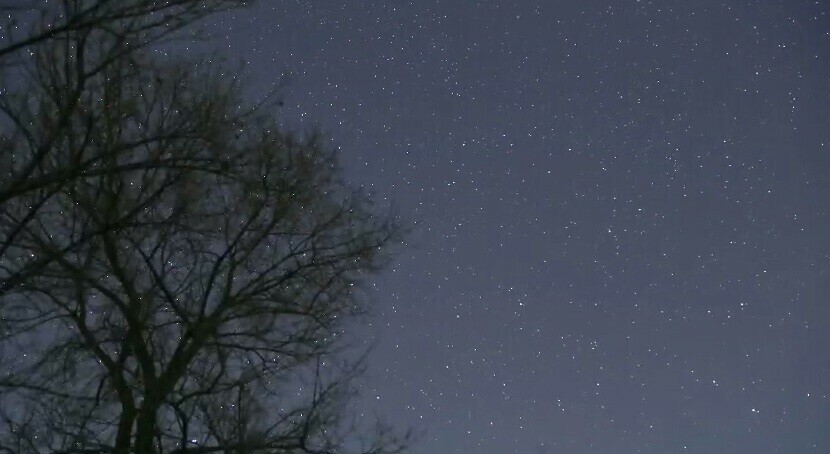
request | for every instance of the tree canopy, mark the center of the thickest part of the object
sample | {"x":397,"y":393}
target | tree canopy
{"x":176,"y":272}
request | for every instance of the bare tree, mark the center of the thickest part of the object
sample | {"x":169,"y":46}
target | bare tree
{"x":177,"y":273}
{"x":68,"y":50}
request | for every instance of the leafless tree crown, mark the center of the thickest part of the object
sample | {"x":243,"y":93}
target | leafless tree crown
{"x":174,"y":270}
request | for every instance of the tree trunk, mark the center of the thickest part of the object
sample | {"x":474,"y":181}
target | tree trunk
{"x":146,"y":426}
{"x":125,"y":430}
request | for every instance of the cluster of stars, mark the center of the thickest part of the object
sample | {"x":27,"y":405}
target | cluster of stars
{"x":618,"y":213}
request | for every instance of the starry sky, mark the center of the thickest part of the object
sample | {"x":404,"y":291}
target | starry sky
{"x":622,"y":212}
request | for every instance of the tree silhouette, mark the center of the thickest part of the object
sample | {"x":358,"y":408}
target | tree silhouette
{"x":48,"y":77}
{"x":176,"y":273}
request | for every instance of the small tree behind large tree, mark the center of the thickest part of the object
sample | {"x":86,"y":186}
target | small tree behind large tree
{"x":176,"y":272}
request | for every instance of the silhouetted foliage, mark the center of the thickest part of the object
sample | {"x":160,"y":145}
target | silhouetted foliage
{"x":175,"y":272}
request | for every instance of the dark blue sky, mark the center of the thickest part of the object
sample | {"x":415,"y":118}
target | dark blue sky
{"x":622,"y":206}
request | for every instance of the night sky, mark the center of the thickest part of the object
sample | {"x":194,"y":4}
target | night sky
{"x":622,"y":213}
